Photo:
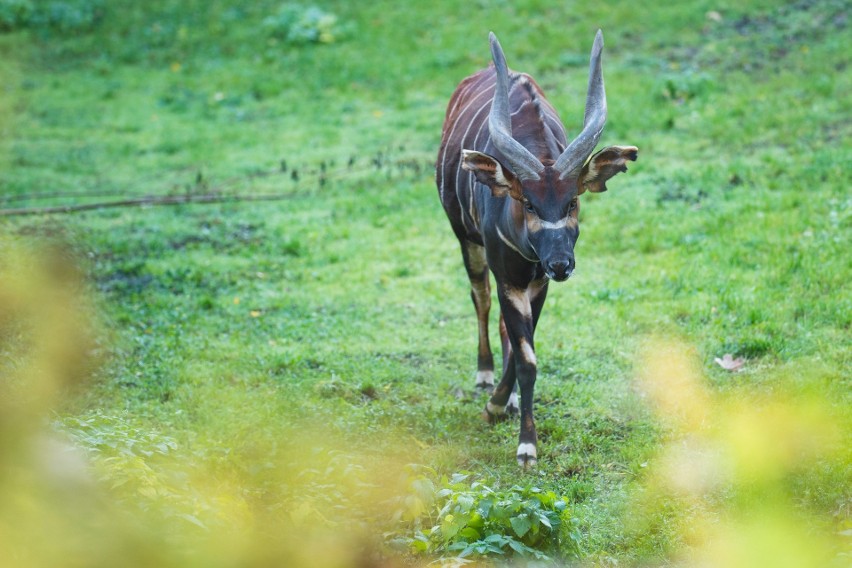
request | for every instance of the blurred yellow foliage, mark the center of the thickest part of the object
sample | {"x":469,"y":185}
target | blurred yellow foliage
{"x":728,"y":471}
{"x":724,"y":481}
{"x":299,"y":501}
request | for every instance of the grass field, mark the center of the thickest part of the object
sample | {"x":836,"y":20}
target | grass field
{"x":291,"y":382}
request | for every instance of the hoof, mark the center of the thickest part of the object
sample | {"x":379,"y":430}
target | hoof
{"x":526,"y":456}
{"x":527,"y":462}
{"x":494,"y":413}
{"x":512,"y":407}
{"x":485,"y":380}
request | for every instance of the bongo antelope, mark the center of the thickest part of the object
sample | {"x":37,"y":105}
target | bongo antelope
{"x":510,"y":182}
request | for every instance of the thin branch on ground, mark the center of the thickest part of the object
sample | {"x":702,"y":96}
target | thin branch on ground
{"x":150,"y":201}
{"x":200,"y":193}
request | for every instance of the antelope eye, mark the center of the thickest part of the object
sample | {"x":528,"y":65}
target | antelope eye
{"x":572,"y":205}
{"x":528,"y":206}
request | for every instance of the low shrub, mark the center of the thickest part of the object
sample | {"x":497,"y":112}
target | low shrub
{"x":456,"y":519}
{"x":298,"y":24}
{"x":63,"y":17}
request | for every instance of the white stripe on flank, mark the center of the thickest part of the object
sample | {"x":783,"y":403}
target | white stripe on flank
{"x":463,"y":91}
{"x":461,"y":145}
{"x":483,"y":127}
{"x":471,"y":180}
{"x":471,"y":204}
{"x":450,"y":135}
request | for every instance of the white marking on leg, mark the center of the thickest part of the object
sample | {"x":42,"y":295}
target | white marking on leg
{"x":495,"y":409}
{"x":476,"y":257}
{"x":480,"y":290}
{"x":536,"y":286}
{"x":527,"y":449}
{"x":527,"y":352}
{"x":520,"y":300}
{"x":526,"y":455}
{"x":512,"y":405}
{"x":485,"y":378}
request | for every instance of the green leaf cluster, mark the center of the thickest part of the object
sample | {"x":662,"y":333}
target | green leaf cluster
{"x":14,"y":14}
{"x":140,"y":466}
{"x":298,"y":24}
{"x":69,"y":16}
{"x":466,"y":519}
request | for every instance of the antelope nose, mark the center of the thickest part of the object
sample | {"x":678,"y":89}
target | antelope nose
{"x":560,"y":270}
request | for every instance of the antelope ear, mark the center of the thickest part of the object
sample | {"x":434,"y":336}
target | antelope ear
{"x":603,"y":165}
{"x":489,"y":171}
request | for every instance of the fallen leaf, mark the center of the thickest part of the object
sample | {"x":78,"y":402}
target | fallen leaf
{"x":728,"y":362}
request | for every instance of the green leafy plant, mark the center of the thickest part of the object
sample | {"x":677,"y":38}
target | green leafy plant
{"x":465,"y":520}
{"x":681,"y":87}
{"x":69,"y":16}
{"x":139,"y":466}
{"x":108,"y":436}
{"x":730,"y":232}
{"x":14,"y":14}
{"x":59,"y":16}
{"x":298,"y":24}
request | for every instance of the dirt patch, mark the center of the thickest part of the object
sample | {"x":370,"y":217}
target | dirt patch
{"x":752,"y":42}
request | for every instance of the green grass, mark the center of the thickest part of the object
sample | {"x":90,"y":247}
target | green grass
{"x":222,"y":326}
